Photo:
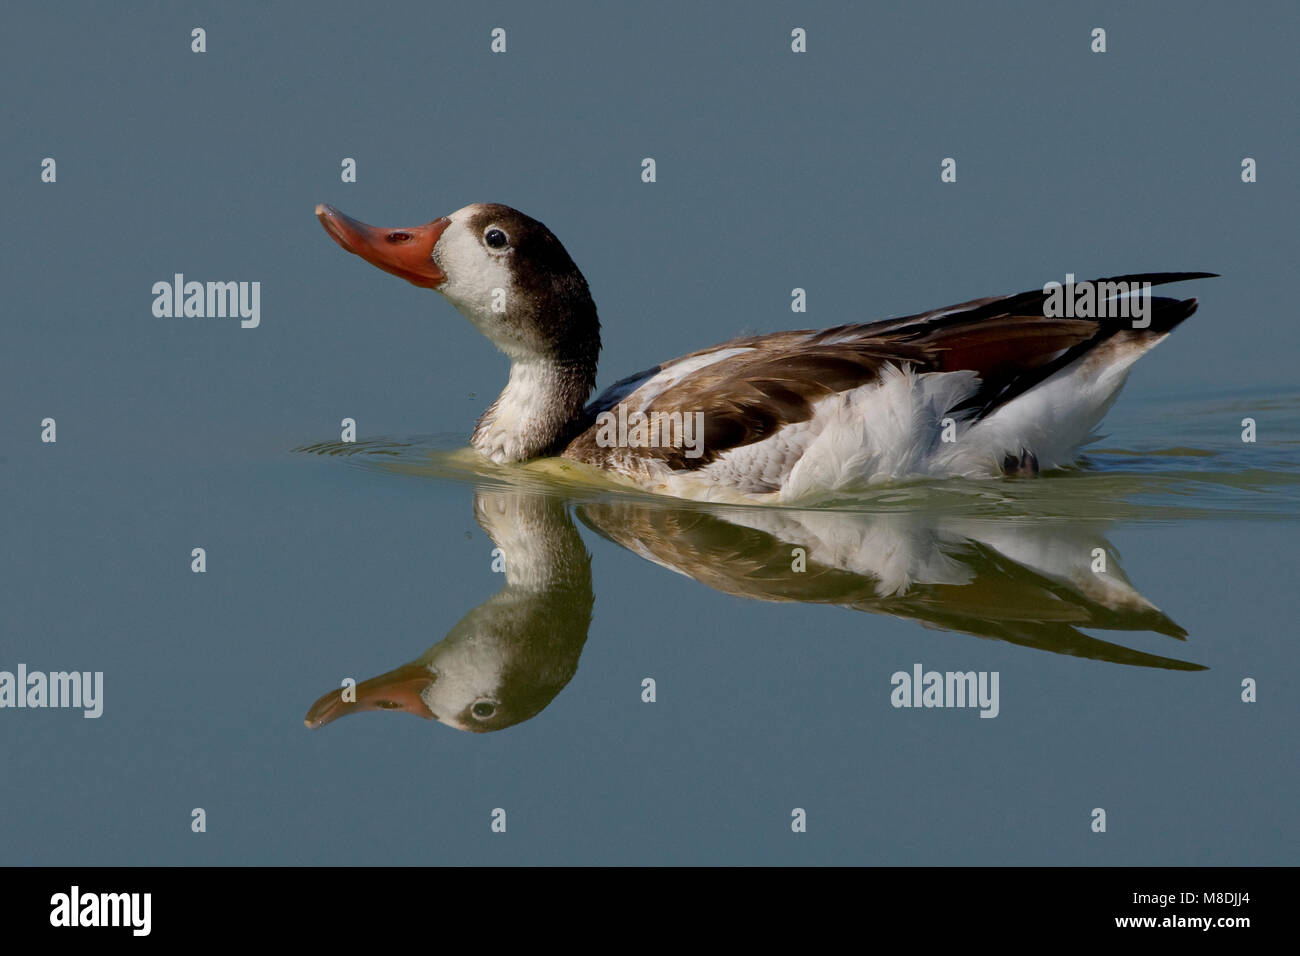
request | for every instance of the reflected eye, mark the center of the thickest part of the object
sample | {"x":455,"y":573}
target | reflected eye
{"x":484,"y":709}
{"x":388,"y":705}
{"x":495,"y":238}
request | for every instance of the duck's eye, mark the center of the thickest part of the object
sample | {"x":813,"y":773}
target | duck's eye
{"x":495,"y":238}
{"x":396,"y":237}
{"x":484,"y":709}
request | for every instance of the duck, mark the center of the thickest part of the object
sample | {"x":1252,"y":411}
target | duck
{"x":996,"y":387}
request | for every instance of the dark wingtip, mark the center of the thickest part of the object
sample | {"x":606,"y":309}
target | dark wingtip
{"x":1170,"y":313}
{"x":1160,"y":278}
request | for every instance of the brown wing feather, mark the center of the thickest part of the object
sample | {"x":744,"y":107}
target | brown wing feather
{"x":748,"y":397}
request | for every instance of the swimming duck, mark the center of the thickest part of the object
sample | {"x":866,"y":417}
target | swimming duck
{"x":991,"y":387}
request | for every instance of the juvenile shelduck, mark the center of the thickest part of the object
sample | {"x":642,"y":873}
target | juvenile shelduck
{"x":995,"y":386}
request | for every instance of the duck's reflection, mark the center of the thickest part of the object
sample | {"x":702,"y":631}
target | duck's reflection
{"x":507,"y":658}
{"x":1030,"y":584}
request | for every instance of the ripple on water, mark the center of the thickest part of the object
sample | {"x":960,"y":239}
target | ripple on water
{"x":1135,"y":473}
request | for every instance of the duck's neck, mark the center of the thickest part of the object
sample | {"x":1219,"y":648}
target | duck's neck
{"x":535,"y":410}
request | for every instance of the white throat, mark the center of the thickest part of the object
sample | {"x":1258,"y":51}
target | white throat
{"x":528,"y":414}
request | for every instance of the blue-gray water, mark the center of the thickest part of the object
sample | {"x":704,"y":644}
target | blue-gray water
{"x":776,"y":170}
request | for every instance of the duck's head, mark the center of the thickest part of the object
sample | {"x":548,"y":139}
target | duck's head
{"x":505,"y":271}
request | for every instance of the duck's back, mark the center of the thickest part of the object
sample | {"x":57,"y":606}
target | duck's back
{"x":978,"y":389}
